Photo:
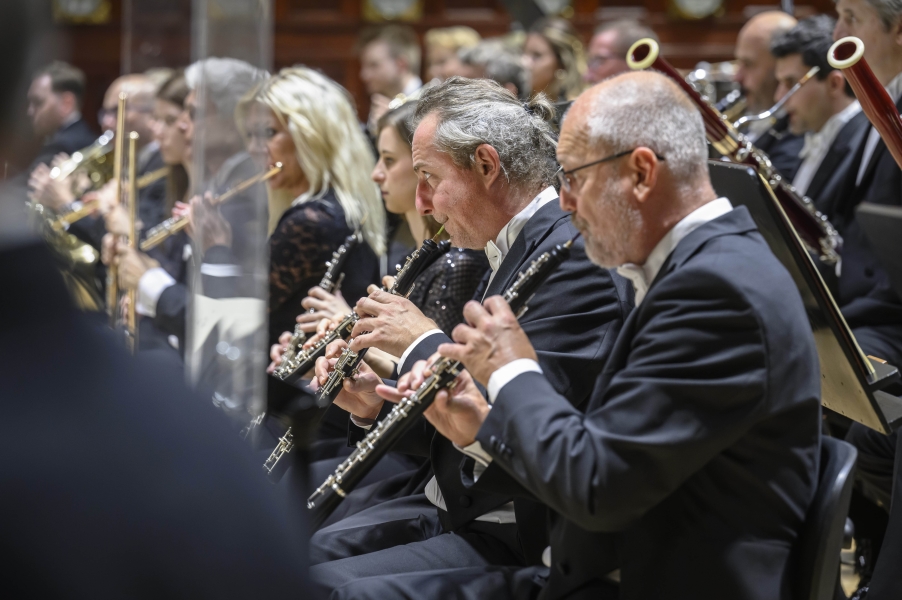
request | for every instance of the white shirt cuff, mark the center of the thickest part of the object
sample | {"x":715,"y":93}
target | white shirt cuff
{"x":363,"y":423}
{"x":483,"y":459}
{"x":220,"y":270}
{"x":414,"y":345}
{"x":505,"y":374}
{"x":150,"y":287}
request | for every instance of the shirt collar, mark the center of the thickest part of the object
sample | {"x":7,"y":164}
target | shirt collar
{"x":895,"y":87}
{"x":642,"y":275}
{"x":497,"y":250}
{"x":814,"y":141}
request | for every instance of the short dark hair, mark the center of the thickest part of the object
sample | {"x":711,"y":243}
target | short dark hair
{"x":64,"y":78}
{"x":401,"y":40}
{"x":811,"y":38}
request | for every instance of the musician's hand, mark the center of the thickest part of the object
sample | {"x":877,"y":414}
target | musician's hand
{"x":378,"y":107}
{"x":132,"y":266}
{"x":358,"y":395}
{"x":325,"y":306}
{"x":387,"y":282}
{"x":277,"y":350}
{"x":208,"y":223}
{"x":492,"y":339}
{"x":457,"y":414}
{"x":55,"y":194}
{"x":116,"y":220}
{"x":108,"y":249}
{"x":393,"y":323}
{"x":105,"y":198}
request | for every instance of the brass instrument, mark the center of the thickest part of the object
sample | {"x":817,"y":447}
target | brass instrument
{"x":813,"y":228}
{"x":847,"y":55}
{"x":112,"y":286}
{"x":732,"y":105}
{"x":405,"y":414}
{"x":94,"y":161}
{"x":349,"y":361}
{"x":84,"y":209}
{"x":773,"y":110}
{"x":156,"y":235}
{"x":131,"y":325}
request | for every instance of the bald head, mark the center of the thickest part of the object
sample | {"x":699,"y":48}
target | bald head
{"x":625,"y":205}
{"x":755,"y":73}
{"x":141,"y":91}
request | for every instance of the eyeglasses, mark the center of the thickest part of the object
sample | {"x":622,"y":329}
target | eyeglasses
{"x":564,"y":179}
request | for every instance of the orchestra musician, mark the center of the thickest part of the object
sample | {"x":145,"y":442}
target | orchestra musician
{"x":700,"y":442}
{"x":824,"y":109}
{"x":755,"y":76}
{"x":607,"y":50}
{"x":484,"y":166}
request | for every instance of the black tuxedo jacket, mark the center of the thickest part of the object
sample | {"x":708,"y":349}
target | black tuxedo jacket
{"x":782,"y":147}
{"x":872,"y":309}
{"x":845,"y":144}
{"x":119,"y":482}
{"x":572,"y":322}
{"x":699,"y":445}
{"x":69,"y":139}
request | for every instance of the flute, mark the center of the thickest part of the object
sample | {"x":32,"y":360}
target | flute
{"x":156,"y":235}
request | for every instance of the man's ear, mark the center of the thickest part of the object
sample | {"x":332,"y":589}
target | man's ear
{"x":836,"y":83}
{"x":896,"y":30}
{"x":487,"y":164}
{"x":644,"y":166}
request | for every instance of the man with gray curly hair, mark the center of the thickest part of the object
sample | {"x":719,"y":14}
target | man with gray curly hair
{"x":700,"y":442}
{"x":485,"y":162}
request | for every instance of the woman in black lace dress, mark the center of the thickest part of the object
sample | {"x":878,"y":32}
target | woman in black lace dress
{"x":305,"y":121}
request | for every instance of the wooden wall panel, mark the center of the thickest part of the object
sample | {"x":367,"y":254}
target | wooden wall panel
{"x":322,"y":34}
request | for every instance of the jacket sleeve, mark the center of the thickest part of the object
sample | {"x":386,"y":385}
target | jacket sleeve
{"x":694,"y":383}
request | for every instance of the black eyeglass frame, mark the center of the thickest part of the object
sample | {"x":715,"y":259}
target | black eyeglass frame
{"x":562,"y":174}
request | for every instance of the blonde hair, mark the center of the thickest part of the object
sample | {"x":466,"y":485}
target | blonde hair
{"x":454,"y":38}
{"x":330,"y":145}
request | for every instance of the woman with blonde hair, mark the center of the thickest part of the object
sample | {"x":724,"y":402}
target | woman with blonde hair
{"x":442,"y":50}
{"x":556,"y":59}
{"x":307,"y":122}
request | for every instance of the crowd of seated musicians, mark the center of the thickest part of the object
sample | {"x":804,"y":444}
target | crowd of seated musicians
{"x":651,"y":426}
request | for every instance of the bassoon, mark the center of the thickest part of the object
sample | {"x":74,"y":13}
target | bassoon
{"x":847,"y":55}
{"x":813,"y":228}
{"x":406,"y":413}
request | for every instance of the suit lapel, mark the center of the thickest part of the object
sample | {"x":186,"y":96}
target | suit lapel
{"x":535,"y":230}
{"x":844,"y":144}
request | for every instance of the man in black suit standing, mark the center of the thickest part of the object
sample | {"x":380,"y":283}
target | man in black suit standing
{"x":700,"y":442}
{"x":54,"y":107}
{"x":485,"y":165}
{"x":755,"y":76}
{"x":824,"y":110}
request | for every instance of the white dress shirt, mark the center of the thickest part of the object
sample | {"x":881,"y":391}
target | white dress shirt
{"x":818,"y":144}
{"x":895,"y":92}
{"x":640,"y":275}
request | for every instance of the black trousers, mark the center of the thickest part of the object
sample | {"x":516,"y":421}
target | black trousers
{"x":880,"y":471}
{"x":405,"y":535}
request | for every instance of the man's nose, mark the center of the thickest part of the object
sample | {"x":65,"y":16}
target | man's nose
{"x":567,"y":200}
{"x":423,"y":201}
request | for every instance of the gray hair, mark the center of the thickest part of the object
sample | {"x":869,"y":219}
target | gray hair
{"x":226,"y":80}
{"x":650,"y":111}
{"x":888,"y":11}
{"x":472,"y":112}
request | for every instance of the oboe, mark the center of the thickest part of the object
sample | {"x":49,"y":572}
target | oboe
{"x":349,"y":361}
{"x":156,"y":235}
{"x":291,"y":371}
{"x":405,"y":414}
{"x":330,"y":282}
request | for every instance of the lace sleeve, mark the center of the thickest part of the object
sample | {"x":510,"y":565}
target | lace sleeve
{"x":298,"y":250}
{"x":443,"y":289}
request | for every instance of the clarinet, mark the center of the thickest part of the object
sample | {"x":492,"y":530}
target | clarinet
{"x":293,"y":370}
{"x":330,"y":282}
{"x":406,"y":413}
{"x":349,"y":361}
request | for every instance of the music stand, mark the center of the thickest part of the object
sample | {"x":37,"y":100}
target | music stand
{"x":851,"y":383}
{"x":883,"y":227}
